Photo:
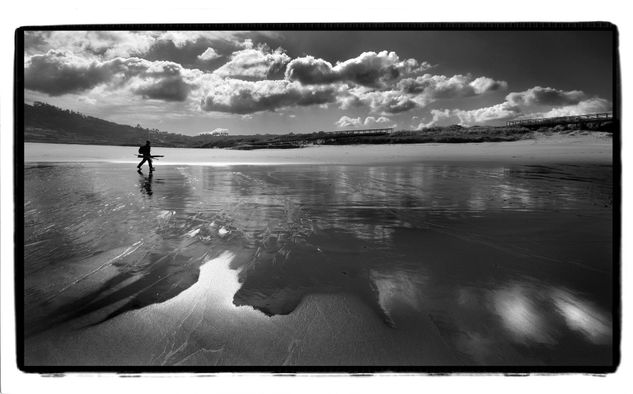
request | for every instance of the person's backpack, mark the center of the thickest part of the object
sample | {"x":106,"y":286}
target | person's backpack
{"x":141,"y":149}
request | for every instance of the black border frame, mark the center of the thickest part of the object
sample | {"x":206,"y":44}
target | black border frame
{"x":18,"y":173}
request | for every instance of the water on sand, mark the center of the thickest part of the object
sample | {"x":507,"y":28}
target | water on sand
{"x":416,"y":264}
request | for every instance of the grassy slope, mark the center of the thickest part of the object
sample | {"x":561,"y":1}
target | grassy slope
{"x":46,"y":123}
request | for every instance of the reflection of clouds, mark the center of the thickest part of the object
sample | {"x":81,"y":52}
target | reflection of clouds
{"x":478,"y":345}
{"x":497,"y":325}
{"x":520,"y":315}
{"x":581,"y":316}
{"x":275,"y":207}
{"x":218,"y":280}
{"x":533,"y":313}
{"x":362,"y":199}
{"x":398,"y":287}
{"x":477,"y":201}
{"x":516,"y":194}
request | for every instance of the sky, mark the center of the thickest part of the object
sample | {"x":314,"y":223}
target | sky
{"x":258,"y":82}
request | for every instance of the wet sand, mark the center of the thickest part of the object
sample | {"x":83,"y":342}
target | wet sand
{"x":425,"y":263}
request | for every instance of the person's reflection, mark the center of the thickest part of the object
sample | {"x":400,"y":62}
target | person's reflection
{"x":146,"y":183}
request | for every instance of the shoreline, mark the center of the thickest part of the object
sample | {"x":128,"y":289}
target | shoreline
{"x":591,"y":147}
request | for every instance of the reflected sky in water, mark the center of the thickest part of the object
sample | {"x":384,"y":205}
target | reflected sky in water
{"x":512,"y":265}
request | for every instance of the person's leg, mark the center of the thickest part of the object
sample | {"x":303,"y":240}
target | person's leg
{"x":149,"y":161}
{"x":141,"y":163}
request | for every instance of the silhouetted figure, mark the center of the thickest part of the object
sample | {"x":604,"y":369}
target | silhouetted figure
{"x":147,"y":156}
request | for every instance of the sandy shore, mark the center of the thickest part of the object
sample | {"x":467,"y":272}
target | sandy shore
{"x":556,"y":148}
{"x":417,"y":264}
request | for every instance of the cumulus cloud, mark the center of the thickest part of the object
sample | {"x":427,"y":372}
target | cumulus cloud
{"x":254,"y":64}
{"x":440,"y":86}
{"x":183,"y":47}
{"x":369,"y":69}
{"x":167,"y":89}
{"x":418,"y":92}
{"x":217,"y":130}
{"x":526,"y":104}
{"x":437,"y":117}
{"x":244,"y":97}
{"x":483,"y":85}
{"x":57,"y":72}
{"x":589,"y":106}
{"x":388,"y":102}
{"x":546,"y":96}
{"x":371,"y":121}
{"x":108,"y":44}
{"x":257,"y":78}
{"x":346,"y":121}
{"x":444,"y":117}
{"x":378,"y":80}
{"x":501,"y":111}
{"x":209,"y":54}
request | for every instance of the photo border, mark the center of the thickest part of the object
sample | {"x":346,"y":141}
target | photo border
{"x":18,"y":172}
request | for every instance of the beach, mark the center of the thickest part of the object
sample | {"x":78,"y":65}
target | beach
{"x":556,"y":147}
{"x":382,"y":255}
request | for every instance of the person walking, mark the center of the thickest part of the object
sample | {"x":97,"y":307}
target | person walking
{"x":147,"y":156}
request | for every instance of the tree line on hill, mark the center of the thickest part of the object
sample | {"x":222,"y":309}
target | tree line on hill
{"x":47,"y":123}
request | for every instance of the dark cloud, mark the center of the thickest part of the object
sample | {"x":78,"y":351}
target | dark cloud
{"x":443,"y":87}
{"x":171,"y":88}
{"x":546,"y":96}
{"x":241,"y":97}
{"x":397,"y":106}
{"x":370,"y":69}
{"x":56,"y":73}
{"x":35,"y":41}
{"x":188,"y":52}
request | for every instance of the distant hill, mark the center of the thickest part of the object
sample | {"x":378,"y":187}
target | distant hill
{"x":47,"y":123}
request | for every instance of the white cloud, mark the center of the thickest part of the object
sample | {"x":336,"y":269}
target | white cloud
{"x":371,"y":121}
{"x":526,"y":104}
{"x":438,"y":117}
{"x":433,"y":87}
{"x":254,"y":64}
{"x":111,"y":44}
{"x":482,"y":85}
{"x":107,"y":44}
{"x":244,"y":97}
{"x":346,"y":121}
{"x":388,"y":102}
{"x":501,"y":111}
{"x":417,"y":92}
{"x":256,"y":78}
{"x":182,"y":38}
{"x":209,"y":54}
{"x":589,"y":106}
{"x":369,"y":69}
